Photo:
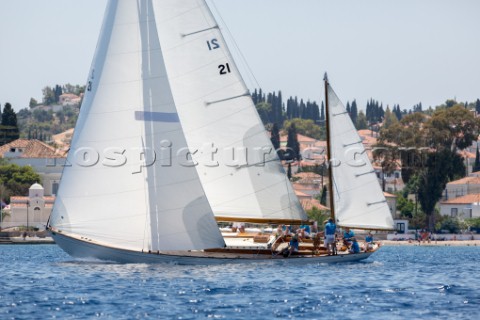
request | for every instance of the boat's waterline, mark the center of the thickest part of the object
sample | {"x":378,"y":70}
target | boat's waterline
{"x":78,"y":248}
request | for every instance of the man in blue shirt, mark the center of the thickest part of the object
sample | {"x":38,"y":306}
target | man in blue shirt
{"x":330,"y":229}
{"x":305,"y":228}
{"x":355,"y":247}
{"x":369,"y":242}
{"x":348,"y":236}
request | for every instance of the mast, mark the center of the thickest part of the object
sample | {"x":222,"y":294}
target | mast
{"x":329,"y":151}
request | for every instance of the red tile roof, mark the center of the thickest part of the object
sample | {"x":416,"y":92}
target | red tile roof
{"x":309,"y":204}
{"x":31,"y":149}
{"x":466,"y":199}
{"x":469,"y":180}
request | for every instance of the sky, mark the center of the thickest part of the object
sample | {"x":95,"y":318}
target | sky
{"x":396,"y":52}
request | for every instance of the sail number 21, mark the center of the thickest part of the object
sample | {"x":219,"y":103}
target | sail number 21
{"x":212,"y":45}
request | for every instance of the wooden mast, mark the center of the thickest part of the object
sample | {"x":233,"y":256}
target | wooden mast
{"x":329,"y":151}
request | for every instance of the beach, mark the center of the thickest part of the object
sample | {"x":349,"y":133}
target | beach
{"x":445,"y":243}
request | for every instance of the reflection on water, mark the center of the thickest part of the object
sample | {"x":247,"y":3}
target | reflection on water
{"x":430,"y":282}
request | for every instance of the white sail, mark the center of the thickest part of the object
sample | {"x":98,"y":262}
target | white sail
{"x":121,"y":188}
{"x":217,"y":113}
{"x":359,"y":200}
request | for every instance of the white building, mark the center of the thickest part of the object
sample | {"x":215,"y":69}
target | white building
{"x":45,"y":160}
{"x":31,"y":211}
{"x":464,"y":207}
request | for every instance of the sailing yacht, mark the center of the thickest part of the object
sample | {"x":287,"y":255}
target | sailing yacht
{"x":168,"y":144}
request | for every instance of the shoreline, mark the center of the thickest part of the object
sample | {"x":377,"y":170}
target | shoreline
{"x":432,"y":243}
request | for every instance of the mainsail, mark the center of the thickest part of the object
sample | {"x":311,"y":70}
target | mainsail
{"x":358,"y":198}
{"x":121,"y":187}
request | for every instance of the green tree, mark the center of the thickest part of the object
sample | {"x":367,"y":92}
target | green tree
{"x":306,"y":127}
{"x":33,"y":103}
{"x":48,"y":96}
{"x":441,"y":167}
{"x":354,"y":111}
{"x":318,"y":215}
{"x":362,"y":122}
{"x":16,"y":179}
{"x":9,"y":128}
{"x":42,"y":115}
{"x":264,"y":109}
{"x":275,"y":138}
{"x":432,"y":143}
{"x":390,"y":118}
{"x":323,"y":196}
{"x":450,"y":224}
{"x":57,"y":92}
{"x":473,"y":224}
{"x":405,"y":206}
{"x":293,"y":146}
{"x":476,"y":166}
{"x":60,"y":115}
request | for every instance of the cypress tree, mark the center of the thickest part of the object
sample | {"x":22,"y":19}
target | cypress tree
{"x":476,"y":166}
{"x":296,"y":111}
{"x":293,"y":147}
{"x":323,"y":198}
{"x":381,"y":113}
{"x":275,"y":138}
{"x":255,"y":97}
{"x":322,"y":112}
{"x":316,"y":112}
{"x":368,"y":111}
{"x":9,"y":127}
{"x":301,"y":110}
{"x":278,"y":109}
{"x":58,"y":92}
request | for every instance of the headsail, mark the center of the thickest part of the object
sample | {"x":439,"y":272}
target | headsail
{"x":239,"y":169}
{"x":359,"y":200}
{"x":121,"y":187}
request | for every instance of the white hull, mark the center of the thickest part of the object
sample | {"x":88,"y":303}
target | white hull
{"x":87,"y":250}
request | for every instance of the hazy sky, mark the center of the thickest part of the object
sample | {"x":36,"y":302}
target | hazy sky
{"x":396,"y":51}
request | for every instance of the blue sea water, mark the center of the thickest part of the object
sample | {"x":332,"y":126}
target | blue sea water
{"x":42,"y":282}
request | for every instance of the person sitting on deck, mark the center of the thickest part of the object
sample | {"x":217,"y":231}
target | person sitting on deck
{"x":238,"y":227}
{"x":294,"y":244}
{"x":347,"y":237}
{"x":369,"y":242}
{"x":330,"y":229}
{"x":355,"y":247}
{"x":287,"y":229}
{"x":305,"y":229}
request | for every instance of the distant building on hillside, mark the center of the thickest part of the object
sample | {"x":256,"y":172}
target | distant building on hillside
{"x":45,"y":160}
{"x":69,"y":99}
